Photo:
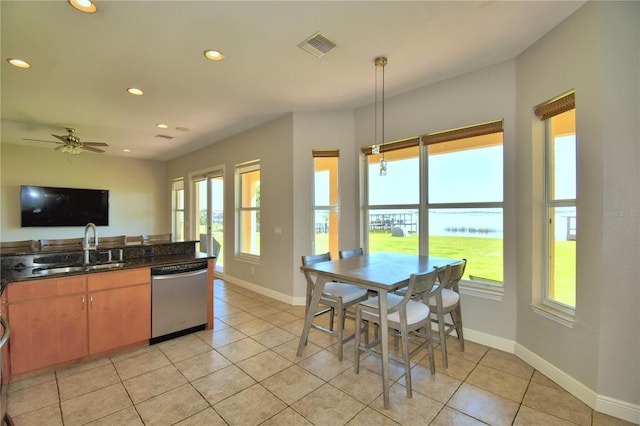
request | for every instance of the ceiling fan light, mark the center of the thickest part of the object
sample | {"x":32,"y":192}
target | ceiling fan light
{"x":135,"y":91}
{"x":19,"y":63}
{"x":84,"y":6}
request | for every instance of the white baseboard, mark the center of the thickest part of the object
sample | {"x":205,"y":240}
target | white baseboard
{"x":296,"y":301}
{"x":603,"y":404}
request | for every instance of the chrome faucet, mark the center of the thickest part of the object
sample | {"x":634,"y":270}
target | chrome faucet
{"x":85,"y":243}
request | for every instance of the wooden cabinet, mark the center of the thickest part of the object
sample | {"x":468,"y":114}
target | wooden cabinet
{"x":59,"y":320}
{"x":119,"y":309}
{"x":48,"y":322}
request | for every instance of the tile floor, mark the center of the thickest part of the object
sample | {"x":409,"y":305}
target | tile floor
{"x":245,"y":372}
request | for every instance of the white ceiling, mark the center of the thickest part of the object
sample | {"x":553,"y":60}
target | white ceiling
{"x":82,"y":64}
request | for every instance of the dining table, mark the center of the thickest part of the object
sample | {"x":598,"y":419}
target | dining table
{"x":382,"y":272}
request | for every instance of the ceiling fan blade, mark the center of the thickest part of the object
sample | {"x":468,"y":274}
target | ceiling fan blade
{"x":95,"y":144}
{"x":40,"y":140}
{"x":88,"y":148}
{"x":62,"y":138}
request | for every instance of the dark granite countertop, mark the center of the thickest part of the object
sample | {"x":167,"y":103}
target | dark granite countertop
{"x":23,"y":268}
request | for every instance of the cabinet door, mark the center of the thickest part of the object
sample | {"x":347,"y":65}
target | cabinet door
{"x":119,"y":317}
{"x":45,"y":332}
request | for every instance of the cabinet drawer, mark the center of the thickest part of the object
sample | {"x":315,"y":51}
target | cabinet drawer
{"x":51,"y":287}
{"x":107,"y":280}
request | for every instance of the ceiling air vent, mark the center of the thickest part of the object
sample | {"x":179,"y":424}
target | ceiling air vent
{"x":318,"y":45}
{"x":164,"y":136}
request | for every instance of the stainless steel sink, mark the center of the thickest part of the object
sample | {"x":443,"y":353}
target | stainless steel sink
{"x":78,"y":268}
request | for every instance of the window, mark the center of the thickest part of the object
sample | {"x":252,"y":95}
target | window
{"x":393,"y":200}
{"x":208,"y":212}
{"x":177,"y":209}
{"x":248,"y":209}
{"x":464,"y":170}
{"x":443,"y":199}
{"x":560,"y":211}
{"x":326,"y":199}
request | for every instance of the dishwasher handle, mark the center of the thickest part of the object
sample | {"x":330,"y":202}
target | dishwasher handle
{"x":180,"y":275}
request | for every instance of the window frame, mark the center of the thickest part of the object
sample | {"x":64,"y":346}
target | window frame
{"x":177,"y":187}
{"x":333,"y":232}
{"x":241,"y":209}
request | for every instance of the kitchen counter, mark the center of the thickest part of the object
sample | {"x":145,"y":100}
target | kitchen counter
{"x":19,"y":268}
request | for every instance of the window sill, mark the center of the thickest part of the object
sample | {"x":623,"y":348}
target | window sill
{"x":485,"y":291}
{"x":248,"y":258}
{"x":556,"y":315}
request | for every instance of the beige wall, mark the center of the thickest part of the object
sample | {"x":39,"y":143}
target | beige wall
{"x":270,"y":143}
{"x":137,"y":197}
{"x":602,"y":66}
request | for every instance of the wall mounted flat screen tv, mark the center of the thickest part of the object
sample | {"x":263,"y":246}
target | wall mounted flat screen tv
{"x":48,"y":206}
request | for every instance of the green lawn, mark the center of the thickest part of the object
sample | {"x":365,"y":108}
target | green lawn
{"x":484,"y":257}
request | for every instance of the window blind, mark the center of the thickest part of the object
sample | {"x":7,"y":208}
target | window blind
{"x":556,"y":106}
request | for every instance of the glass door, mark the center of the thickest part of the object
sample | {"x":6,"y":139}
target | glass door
{"x":208,"y":220}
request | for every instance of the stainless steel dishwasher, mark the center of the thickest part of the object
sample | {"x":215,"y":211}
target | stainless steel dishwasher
{"x":178,"y":300}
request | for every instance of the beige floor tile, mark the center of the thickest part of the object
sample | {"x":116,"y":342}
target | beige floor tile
{"x":600,"y":419}
{"x":236,"y":318}
{"x":223,"y":337}
{"x":49,"y":416}
{"x":369,"y":416}
{"x":205,"y":417}
{"x":328,"y":406}
{"x":153,"y":383}
{"x":450,"y":417}
{"x":241,"y":349}
{"x":94,"y":405}
{"x":557,"y":402}
{"x":364,"y":386}
{"x":264,"y":310}
{"x":472,"y":351}
{"x":251,"y":406}
{"x":325,"y":365}
{"x":322,"y":338}
{"x":282,"y":318}
{"x":273,"y":337}
{"x":171,"y":407}
{"x":129,"y":417}
{"x":289,"y":350}
{"x":374,"y":363}
{"x":484,"y":405}
{"x":140,"y":364}
{"x":87,"y":381}
{"x":132,"y":353}
{"x":406,"y":410}
{"x":264,"y":365}
{"x":458,"y":366}
{"x":541,"y":379}
{"x":287,"y":417}
{"x":32,"y":381}
{"x":498,"y":382}
{"x":254,"y":326}
{"x":508,"y":363}
{"x":292,"y":384}
{"x":183,"y":347}
{"x":294,"y":326}
{"x":202,"y":365}
{"x":32,"y":398}
{"x":439,"y":387}
{"x":530,"y":417}
{"x":80,"y":368}
{"x":219,"y":324}
{"x":223,"y":383}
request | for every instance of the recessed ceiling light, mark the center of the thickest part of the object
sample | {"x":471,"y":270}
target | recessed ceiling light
{"x":19,"y":63}
{"x":162,"y":126}
{"x":214,"y":55}
{"x":126,"y":150}
{"x":84,"y":5}
{"x":182,"y":129}
{"x":135,"y":91}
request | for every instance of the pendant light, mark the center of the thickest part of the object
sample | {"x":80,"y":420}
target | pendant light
{"x":380,"y":62}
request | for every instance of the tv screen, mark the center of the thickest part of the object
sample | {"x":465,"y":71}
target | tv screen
{"x":48,"y":206}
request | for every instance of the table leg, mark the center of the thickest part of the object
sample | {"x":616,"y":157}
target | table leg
{"x":384,"y":341}
{"x":318,"y":289}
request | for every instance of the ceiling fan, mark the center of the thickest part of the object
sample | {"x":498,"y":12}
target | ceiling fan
{"x":70,"y":143}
